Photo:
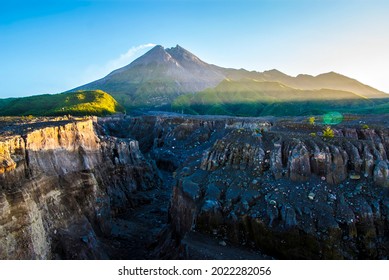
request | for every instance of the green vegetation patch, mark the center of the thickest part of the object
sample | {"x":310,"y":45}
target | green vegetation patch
{"x":262,"y":98}
{"x":79,"y":103}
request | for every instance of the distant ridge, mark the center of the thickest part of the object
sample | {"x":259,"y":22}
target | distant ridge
{"x":169,"y":78}
{"x":330,"y":80}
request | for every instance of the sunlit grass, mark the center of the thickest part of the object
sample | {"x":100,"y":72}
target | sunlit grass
{"x":94,"y":102}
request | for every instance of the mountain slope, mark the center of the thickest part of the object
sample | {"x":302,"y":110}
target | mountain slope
{"x":157,"y":77}
{"x":75,"y":103}
{"x":329,"y":80}
{"x":254,"y":98}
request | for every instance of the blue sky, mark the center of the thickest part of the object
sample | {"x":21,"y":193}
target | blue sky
{"x":53,"y":46}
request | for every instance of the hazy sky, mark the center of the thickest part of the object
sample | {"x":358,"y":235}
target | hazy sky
{"x":53,"y":46}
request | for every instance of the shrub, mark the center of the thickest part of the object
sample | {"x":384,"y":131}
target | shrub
{"x":311,"y":120}
{"x":365,"y":126}
{"x":328,"y":132}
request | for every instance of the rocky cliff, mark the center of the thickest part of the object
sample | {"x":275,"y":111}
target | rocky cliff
{"x":266,"y":184}
{"x":60,"y":186}
{"x":275,"y":185}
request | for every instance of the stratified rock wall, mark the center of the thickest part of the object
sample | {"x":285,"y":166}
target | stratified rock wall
{"x":60,"y":187}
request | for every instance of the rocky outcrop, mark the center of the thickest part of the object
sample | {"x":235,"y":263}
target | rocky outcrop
{"x":298,"y":159}
{"x":60,"y":187}
{"x":269,"y":186}
{"x":264,"y":183}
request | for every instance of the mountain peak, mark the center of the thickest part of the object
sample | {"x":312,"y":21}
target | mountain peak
{"x":158,"y":54}
{"x":155,"y":55}
{"x":274,"y":74}
{"x":158,"y":47}
{"x":184,"y":56}
{"x":177,"y":48}
{"x":331,"y":74}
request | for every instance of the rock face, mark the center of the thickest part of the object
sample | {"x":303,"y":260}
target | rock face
{"x":60,"y":186}
{"x":263,"y":183}
{"x":270,"y":185}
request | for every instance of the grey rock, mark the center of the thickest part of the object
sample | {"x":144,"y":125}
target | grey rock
{"x":381,"y":173}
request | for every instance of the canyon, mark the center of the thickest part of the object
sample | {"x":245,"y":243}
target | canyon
{"x":164,"y":185}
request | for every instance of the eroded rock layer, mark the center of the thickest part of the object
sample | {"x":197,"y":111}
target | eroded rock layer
{"x":275,"y":184}
{"x":268,"y":184}
{"x":60,"y":186}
